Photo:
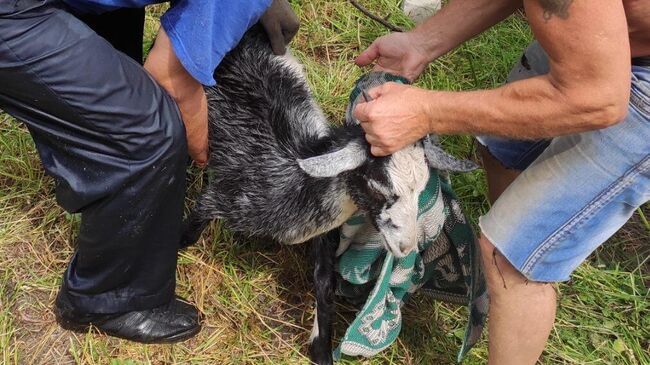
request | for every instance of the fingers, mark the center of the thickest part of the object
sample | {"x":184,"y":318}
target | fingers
{"x":290,"y":29}
{"x":369,"y":114}
{"x":379,"y":151}
{"x":200,"y":156}
{"x":277,"y":40}
{"x":372,"y":139}
{"x":360,"y":112}
{"x":380,"y":68}
{"x":368,"y":56}
{"x":197,"y":146}
{"x":196,"y":132}
{"x":377,"y":147}
{"x":376,"y":92}
{"x":201,"y":160}
{"x":381,"y":90}
{"x":281,"y":25}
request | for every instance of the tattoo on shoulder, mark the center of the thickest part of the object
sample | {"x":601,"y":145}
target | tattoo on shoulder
{"x":556,"y":7}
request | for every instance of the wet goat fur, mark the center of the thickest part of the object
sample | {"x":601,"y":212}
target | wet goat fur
{"x":256,"y":185}
{"x":262,"y":119}
{"x":263,"y":122}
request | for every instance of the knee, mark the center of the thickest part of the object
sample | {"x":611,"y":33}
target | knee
{"x":173,"y":125}
{"x":163,"y":141}
{"x":503,"y":278}
{"x":495,"y":265}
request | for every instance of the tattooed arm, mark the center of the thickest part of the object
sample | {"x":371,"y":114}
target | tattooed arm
{"x":559,"y":8}
{"x":587,"y":87}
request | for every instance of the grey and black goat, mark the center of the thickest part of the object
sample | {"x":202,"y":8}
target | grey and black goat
{"x":278,"y":170}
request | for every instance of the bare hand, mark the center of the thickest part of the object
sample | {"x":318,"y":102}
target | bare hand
{"x":167,"y":70}
{"x":402,"y":54}
{"x":396,"y":117}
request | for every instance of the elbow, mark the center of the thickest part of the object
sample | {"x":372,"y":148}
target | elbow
{"x":614,"y":114}
{"x":611,"y":113}
{"x":604,"y":111}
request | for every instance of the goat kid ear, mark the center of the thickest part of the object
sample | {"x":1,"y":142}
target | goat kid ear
{"x":332,"y":164}
{"x":439,"y":159}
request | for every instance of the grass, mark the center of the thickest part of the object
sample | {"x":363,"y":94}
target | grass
{"x":257,"y":299}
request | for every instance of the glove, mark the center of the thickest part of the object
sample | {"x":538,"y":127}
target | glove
{"x":281,"y":24}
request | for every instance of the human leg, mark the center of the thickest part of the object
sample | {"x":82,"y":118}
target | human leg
{"x":521,"y":312}
{"x":498,"y":176}
{"x":575,"y":195}
{"x":114,"y":142}
{"x":515,"y":337}
{"x":569,"y":227}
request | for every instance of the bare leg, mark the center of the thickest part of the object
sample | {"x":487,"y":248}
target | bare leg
{"x":521,"y":312}
{"x":498,"y":177}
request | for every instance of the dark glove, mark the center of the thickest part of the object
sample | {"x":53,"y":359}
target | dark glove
{"x":281,"y":24}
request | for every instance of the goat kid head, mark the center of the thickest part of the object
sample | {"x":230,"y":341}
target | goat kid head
{"x":386,"y":188}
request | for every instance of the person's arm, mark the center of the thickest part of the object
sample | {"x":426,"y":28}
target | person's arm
{"x":461,"y":20}
{"x":407,"y":54}
{"x":167,"y":70}
{"x":194,"y":38}
{"x":638,"y":22}
{"x":587,"y":87}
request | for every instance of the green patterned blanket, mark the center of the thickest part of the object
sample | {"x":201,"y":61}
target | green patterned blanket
{"x":446,"y":265}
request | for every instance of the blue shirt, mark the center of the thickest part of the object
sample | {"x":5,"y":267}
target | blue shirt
{"x":201,"y":31}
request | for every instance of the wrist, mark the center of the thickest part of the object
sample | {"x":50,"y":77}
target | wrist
{"x":430,"y":38}
{"x":432,"y":104}
{"x":425,"y":101}
{"x":429,"y":46}
{"x":163,"y":65}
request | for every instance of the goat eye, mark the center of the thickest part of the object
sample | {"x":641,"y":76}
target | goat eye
{"x":391,"y":200}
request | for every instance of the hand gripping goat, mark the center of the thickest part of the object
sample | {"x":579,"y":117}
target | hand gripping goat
{"x":278,"y":170}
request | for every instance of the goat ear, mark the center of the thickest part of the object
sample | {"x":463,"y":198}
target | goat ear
{"x":439,"y":159}
{"x":331,"y":164}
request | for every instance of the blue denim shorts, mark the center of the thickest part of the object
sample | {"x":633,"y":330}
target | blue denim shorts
{"x":575,"y":191}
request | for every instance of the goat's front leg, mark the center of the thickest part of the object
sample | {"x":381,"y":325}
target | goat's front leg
{"x":193,"y":226}
{"x":323,"y":256}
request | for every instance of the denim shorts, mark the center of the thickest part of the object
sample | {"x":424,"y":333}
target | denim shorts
{"x":575,"y":191}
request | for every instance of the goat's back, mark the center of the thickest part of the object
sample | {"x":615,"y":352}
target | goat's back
{"x":262,"y":118}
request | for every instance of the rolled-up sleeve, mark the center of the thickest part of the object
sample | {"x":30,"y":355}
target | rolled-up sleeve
{"x":202,"y":32}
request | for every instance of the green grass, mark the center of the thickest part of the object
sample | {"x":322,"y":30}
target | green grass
{"x":257,"y":299}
